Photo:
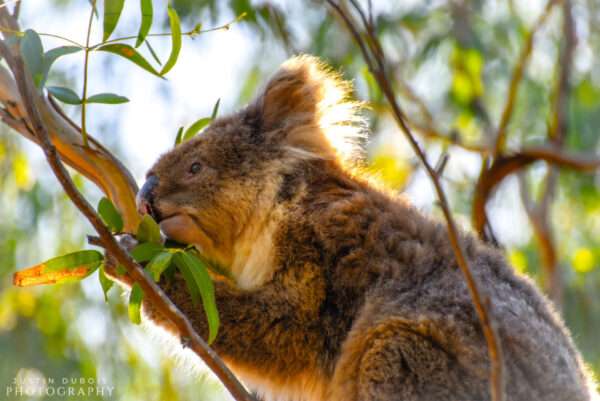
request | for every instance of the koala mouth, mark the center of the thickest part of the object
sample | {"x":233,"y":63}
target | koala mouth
{"x":182,"y":228}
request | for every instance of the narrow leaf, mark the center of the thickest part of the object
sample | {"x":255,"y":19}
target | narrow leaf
{"x":75,"y":260}
{"x":105,"y":282}
{"x":110,"y":215}
{"x":135,"y":304}
{"x":112,"y":13}
{"x":130,"y":54}
{"x":51,"y":55}
{"x":147,"y":12}
{"x":215,"y":109}
{"x":148,"y":230}
{"x":159,"y":264}
{"x":201,"y":279}
{"x":175,"y":38}
{"x":38,"y":275}
{"x":153,"y":53}
{"x":195,"y":128}
{"x":107,"y":98}
{"x":70,"y":267}
{"x":179,"y":136}
{"x":65,"y":95}
{"x":33,"y":55}
{"x":146,"y":251}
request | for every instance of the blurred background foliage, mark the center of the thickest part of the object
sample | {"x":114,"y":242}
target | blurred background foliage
{"x":451,"y":62}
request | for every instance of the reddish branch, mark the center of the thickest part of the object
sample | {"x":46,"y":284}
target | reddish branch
{"x":152,"y":292}
{"x":374,"y":56}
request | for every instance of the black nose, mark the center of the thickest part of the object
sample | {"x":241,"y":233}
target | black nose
{"x":145,"y":196}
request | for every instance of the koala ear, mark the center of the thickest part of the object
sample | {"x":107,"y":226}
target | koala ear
{"x":307,"y":107}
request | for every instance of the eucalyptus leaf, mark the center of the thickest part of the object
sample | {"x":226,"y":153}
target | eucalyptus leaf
{"x":135,"y":304}
{"x":147,"y":15}
{"x":148,"y":230}
{"x":105,"y":282}
{"x":198,"y":281}
{"x":89,"y":259}
{"x":52,"y":55}
{"x":65,"y":95}
{"x":112,"y":13}
{"x":32,"y":51}
{"x":145,"y":251}
{"x":175,"y":39}
{"x":107,"y":98}
{"x":159,"y":264}
{"x":179,"y":136}
{"x":110,"y":215}
{"x":128,"y":52}
{"x":195,"y":128}
{"x":215,"y":111}
{"x":153,"y":53}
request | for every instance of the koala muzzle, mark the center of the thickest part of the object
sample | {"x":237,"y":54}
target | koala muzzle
{"x":145,"y":196}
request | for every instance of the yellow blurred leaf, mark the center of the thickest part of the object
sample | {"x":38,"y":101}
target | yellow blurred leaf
{"x":518,"y":260}
{"x":22,"y":172}
{"x":462,"y":88}
{"x":391,"y":169}
{"x":583,"y":260}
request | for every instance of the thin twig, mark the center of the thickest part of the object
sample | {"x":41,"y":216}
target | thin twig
{"x":85,"y":75}
{"x":374,"y":58}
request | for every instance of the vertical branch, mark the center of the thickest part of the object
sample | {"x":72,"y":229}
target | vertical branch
{"x":375,"y":59}
{"x":86,"y":58}
{"x":540,"y":214}
{"x":479,"y":218}
{"x":517,"y":77}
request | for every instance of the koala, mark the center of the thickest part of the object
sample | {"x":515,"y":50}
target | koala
{"x":337,"y":289}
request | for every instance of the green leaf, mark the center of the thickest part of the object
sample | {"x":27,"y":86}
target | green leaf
{"x":63,"y":94}
{"x":135,"y":304}
{"x":51,"y":55}
{"x":215,"y":109}
{"x":112,"y":13}
{"x":179,"y":136}
{"x":176,"y":40}
{"x":105,"y":282}
{"x":148,"y":230}
{"x":147,"y":12}
{"x":107,"y":98}
{"x":153,"y":53}
{"x":33,"y":56}
{"x":195,"y":128}
{"x":198,"y":281}
{"x":145,"y":251}
{"x":130,"y":54}
{"x":159,"y":264}
{"x":87,"y":258}
{"x":110,"y":215}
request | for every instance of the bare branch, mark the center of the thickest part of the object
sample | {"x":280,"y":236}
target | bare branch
{"x":375,"y":59}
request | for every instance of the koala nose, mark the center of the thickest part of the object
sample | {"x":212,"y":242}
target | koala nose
{"x":146,"y":195}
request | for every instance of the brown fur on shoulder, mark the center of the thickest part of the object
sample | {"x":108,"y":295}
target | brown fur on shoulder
{"x":340,"y":291}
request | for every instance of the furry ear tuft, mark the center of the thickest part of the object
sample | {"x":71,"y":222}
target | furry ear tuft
{"x":308,"y":108}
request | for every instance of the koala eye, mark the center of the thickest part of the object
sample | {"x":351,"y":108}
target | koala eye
{"x":195,"y":167}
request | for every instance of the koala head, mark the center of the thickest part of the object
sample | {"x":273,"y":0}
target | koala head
{"x":220,"y":185}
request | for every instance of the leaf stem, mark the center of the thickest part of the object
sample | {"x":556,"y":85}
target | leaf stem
{"x":85,"y":75}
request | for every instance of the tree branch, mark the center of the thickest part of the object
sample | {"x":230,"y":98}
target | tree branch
{"x":375,"y":59}
{"x":39,"y":116}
